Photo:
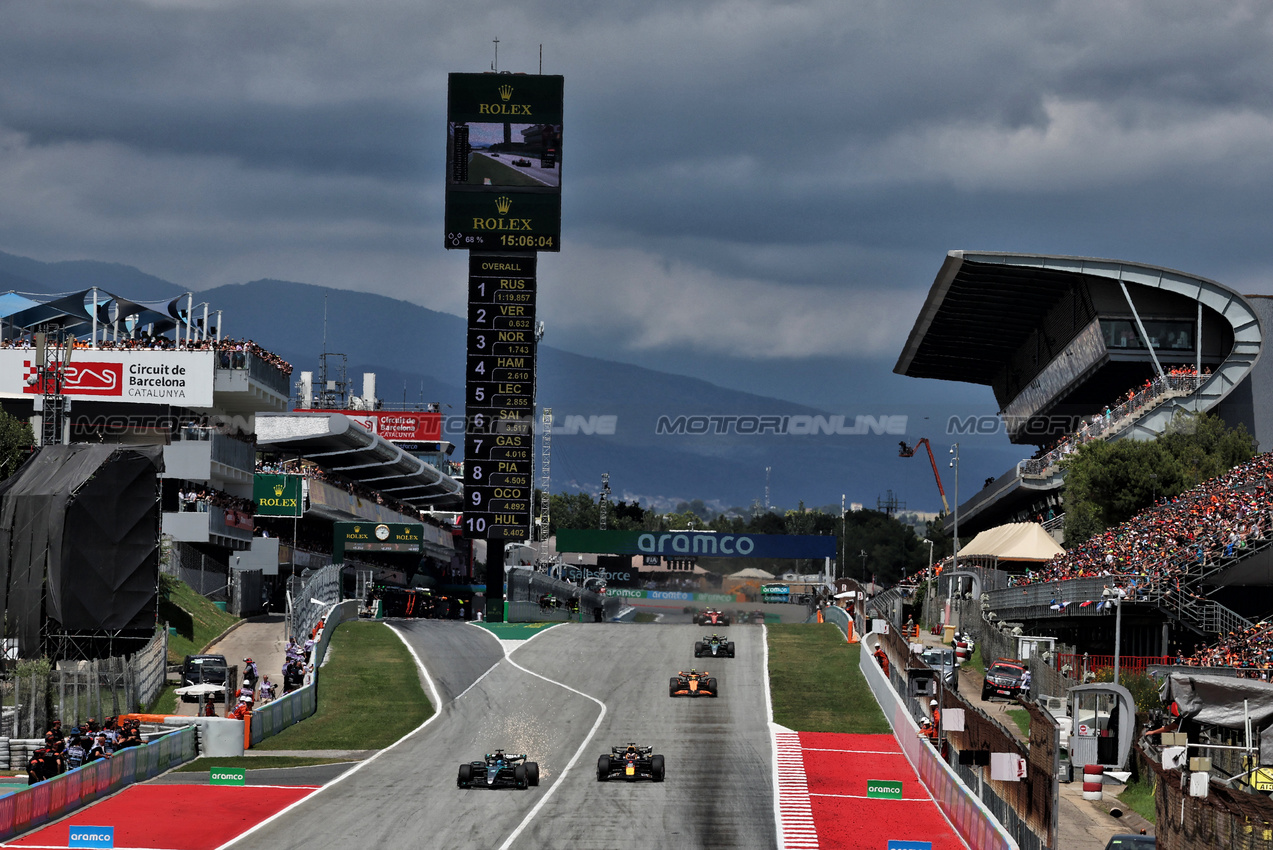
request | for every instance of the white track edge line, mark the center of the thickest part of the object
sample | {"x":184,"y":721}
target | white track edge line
{"x":773,"y":741}
{"x":553,"y":788}
{"x":437,"y":712}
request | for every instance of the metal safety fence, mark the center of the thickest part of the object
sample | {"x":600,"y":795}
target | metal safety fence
{"x":307,"y":602}
{"x":535,"y":597}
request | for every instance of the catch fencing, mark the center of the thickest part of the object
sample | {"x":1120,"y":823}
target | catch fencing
{"x":1228,"y":818}
{"x":68,"y":792}
{"x":307,"y":603}
{"x":527,"y":587}
{"x":974,"y":822}
{"x":31,"y":698}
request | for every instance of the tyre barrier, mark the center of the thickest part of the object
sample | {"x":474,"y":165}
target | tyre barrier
{"x":1093,"y":782}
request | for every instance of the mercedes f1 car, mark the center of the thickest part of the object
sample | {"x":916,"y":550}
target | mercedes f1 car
{"x":499,"y":770}
{"x":692,"y":684}
{"x":713,"y":645}
{"x":711,"y":617}
{"x":630,"y":763}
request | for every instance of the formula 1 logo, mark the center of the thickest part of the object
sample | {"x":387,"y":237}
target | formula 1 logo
{"x":78,"y":378}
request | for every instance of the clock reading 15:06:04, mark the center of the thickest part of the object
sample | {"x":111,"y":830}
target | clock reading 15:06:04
{"x":509,"y":240}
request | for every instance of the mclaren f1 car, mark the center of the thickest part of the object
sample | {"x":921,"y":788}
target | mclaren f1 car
{"x":630,"y":763}
{"x":692,"y":684}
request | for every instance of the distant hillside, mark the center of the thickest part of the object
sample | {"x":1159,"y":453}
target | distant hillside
{"x":27,"y":275}
{"x":607,"y":414}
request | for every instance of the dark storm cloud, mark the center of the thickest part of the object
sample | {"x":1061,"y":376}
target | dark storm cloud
{"x":789,"y":174}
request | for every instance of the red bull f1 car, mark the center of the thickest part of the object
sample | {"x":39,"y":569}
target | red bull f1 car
{"x":499,"y":770}
{"x":630,"y":763}
{"x":715,"y":646}
{"x":692,"y":684}
{"x":711,"y":617}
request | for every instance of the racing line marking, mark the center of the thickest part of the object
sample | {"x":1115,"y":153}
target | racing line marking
{"x":587,"y":739}
{"x":796,"y":827}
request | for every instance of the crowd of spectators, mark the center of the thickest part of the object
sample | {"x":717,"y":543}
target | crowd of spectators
{"x":196,"y":498}
{"x":232,"y":353}
{"x":310,"y":470}
{"x":87,"y":742}
{"x":1178,"y":536}
{"x":1178,"y":379}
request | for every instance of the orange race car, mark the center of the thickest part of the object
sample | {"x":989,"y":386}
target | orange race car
{"x":692,"y":684}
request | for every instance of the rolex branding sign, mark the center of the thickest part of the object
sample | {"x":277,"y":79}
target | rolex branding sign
{"x":277,"y":495}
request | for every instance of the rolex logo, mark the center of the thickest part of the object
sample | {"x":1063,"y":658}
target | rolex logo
{"x":279,"y":488}
{"x":503,"y":204}
{"x":505,"y":92}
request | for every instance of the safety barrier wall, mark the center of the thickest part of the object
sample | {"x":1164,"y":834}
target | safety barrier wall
{"x":528,"y":586}
{"x":54,"y":798}
{"x":678,"y":595}
{"x":974,"y":822}
{"x":277,"y":715}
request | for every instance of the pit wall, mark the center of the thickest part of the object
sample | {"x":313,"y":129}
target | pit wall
{"x":275,"y":716}
{"x":60,"y":796}
{"x":971,"y":819}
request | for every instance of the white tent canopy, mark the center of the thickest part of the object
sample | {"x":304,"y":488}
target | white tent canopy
{"x":751,"y":572}
{"x":1016,"y":541}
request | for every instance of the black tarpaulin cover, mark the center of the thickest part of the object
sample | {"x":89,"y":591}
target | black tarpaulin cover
{"x":79,"y":540}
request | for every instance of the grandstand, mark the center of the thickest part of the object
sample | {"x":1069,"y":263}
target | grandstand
{"x":1078,"y":348}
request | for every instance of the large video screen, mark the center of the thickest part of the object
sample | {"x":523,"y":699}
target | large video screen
{"x":504,"y":154}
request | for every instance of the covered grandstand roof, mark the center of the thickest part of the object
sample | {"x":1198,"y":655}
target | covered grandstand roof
{"x":1016,"y":541}
{"x":340,"y":445}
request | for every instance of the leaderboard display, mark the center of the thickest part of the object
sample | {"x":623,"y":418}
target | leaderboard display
{"x":503,"y":178}
{"x":499,"y":401}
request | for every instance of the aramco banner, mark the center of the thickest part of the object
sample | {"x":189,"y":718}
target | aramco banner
{"x":706,"y":544}
{"x":277,"y":495}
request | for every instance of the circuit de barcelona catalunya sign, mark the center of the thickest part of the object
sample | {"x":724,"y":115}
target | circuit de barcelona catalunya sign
{"x":706,"y":544}
{"x":180,"y":378}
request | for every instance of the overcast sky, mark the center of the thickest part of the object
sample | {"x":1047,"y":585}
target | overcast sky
{"x":755,"y":192}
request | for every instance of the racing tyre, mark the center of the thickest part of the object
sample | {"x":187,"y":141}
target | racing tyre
{"x":724,"y":621}
{"x":730,"y":648}
{"x":519,"y":775}
{"x":985,"y":695}
{"x":698,"y":649}
{"x":603,"y":768}
{"x":711,"y":686}
{"x":532,"y":773}
{"x":671,"y":686}
{"x":656,"y":768}
{"x":466,"y":776}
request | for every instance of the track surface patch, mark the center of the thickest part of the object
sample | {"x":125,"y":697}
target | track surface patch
{"x":173,"y":817}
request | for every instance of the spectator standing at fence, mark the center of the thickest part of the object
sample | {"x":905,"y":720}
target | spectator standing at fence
{"x":266,"y":691}
{"x":250,"y":675}
{"x":75,"y":753}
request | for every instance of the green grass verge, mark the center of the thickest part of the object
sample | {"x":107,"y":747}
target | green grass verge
{"x":255,"y":762}
{"x":1139,"y":797}
{"x":815,"y":682}
{"x":165,"y":703}
{"x":369,"y":695}
{"x":197,"y":621}
{"x":1021,"y":717}
{"x":974,"y":662}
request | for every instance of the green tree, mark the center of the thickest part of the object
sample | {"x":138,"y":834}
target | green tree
{"x":16,"y":443}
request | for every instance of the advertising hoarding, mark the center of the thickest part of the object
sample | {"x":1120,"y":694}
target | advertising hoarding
{"x":180,"y":378}
{"x":277,"y":495}
{"x":503,"y":176}
{"x":377,"y":536}
{"x":696,"y":543}
{"x":405,"y":426}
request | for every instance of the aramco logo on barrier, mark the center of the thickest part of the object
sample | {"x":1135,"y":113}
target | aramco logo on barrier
{"x":227,"y":776}
{"x":91,"y":836}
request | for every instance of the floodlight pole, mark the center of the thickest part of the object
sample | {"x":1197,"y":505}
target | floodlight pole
{"x":843,"y":532}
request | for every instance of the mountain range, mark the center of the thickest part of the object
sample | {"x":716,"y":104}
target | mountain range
{"x":664,"y":438}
